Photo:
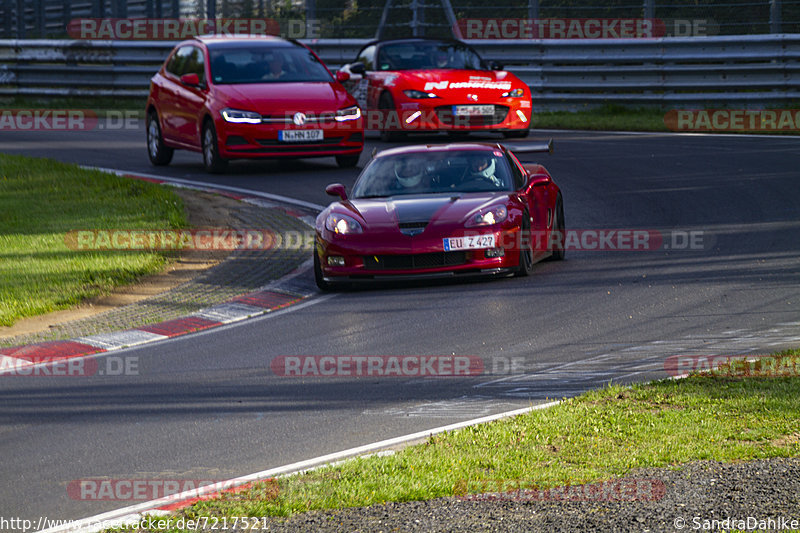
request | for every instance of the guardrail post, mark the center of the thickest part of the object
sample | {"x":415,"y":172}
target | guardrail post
{"x":775,"y":16}
{"x":20,"y":19}
{"x":8,"y":9}
{"x":649,"y":9}
{"x":533,"y":9}
{"x":211,"y":9}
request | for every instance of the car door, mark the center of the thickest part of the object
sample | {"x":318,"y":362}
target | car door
{"x":190,"y":100}
{"x":538,"y":200}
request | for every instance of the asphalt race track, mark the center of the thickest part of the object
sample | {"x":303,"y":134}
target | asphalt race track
{"x":207,"y":406}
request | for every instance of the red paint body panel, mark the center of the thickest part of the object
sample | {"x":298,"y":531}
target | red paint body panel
{"x":449,"y":213}
{"x":182,"y":110}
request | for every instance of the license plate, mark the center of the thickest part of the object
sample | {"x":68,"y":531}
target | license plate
{"x":299,"y":135}
{"x":473,"y":110}
{"x":469,"y":243}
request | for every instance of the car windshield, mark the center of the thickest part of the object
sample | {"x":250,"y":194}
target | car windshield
{"x":260,"y":63}
{"x":428,"y":55}
{"x":434,"y":172}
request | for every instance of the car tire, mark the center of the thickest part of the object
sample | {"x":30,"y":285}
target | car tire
{"x":347,"y":161}
{"x":560,"y":226}
{"x":159,"y":153}
{"x":318,"y":278}
{"x":386,"y":104}
{"x":526,"y":252}
{"x":516,"y":134}
{"x":211,"y":158}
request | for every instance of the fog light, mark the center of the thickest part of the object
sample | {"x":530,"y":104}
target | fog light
{"x":335,"y":260}
{"x":495,"y":252}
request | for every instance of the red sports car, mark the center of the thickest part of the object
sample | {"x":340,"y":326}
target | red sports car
{"x":436,"y":85}
{"x":440,"y":210}
{"x":250,"y":97}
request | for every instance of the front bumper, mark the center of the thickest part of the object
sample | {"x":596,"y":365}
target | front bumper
{"x":434,"y":115}
{"x":370,"y":259}
{"x":246,"y":141}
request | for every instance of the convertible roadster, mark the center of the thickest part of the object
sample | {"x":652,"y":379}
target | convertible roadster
{"x":426,"y":85}
{"x":441,"y":211}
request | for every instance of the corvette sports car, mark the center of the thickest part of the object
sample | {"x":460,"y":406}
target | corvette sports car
{"x":440,"y":211}
{"x":436,"y":85}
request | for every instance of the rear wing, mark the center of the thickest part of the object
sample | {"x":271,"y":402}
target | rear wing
{"x":528,"y":148}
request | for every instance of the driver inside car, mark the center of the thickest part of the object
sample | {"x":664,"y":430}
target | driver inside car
{"x":481,"y":169}
{"x":409,"y":176}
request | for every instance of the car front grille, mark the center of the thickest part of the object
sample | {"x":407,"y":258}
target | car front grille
{"x":445,"y":114}
{"x":411,"y":261}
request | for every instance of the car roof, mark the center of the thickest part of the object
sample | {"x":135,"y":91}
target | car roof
{"x":414,"y":40}
{"x":233,"y":41}
{"x":452,"y":147}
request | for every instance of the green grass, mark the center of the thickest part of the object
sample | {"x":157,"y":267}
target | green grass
{"x":608,"y":117}
{"x":597,"y":436}
{"x":40,"y":201}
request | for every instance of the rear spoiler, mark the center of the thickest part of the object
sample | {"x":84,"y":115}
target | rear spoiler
{"x":528,"y":148}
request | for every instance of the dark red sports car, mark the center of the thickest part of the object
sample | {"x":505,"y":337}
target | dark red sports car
{"x":250,"y":97}
{"x":425,"y":85}
{"x":441,"y":210}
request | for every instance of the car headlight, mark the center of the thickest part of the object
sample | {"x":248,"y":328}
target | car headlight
{"x":488,"y":217}
{"x":342,"y":224}
{"x":348,"y":113}
{"x":418,"y":95}
{"x":516,"y":93}
{"x":241,"y":117}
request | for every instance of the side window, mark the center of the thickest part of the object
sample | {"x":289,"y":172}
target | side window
{"x":178,"y":61}
{"x":516,"y":171}
{"x":195,"y":63}
{"x":367,"y":56}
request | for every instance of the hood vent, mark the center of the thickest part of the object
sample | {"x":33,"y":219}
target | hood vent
{"x":412,"y":228}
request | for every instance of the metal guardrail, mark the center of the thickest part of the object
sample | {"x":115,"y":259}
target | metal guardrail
{"x":755,"y":70}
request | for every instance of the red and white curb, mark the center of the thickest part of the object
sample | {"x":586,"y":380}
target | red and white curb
{"x":164,"y":506}
{"x":288,"y":291}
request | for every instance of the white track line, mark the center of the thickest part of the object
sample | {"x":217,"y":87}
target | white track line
{"x":136,"y":512}
{"x":204,"y":185}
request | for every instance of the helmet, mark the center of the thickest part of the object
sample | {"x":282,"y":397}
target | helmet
{"x":483,"y":167}
{"x":408,"y":172}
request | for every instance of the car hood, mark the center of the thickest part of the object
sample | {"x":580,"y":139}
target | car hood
{"x":446,"y":82}
{"x":391,"y":214}
{"x":266,"y":98}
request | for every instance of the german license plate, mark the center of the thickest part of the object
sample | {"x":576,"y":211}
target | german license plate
{"x":473,"y":110}
{"x":299,"y":135}
{"x":471,"y":242}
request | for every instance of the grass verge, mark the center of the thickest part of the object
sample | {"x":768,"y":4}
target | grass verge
{"x":40,"y":201}
{"x":596,"y":436}
{"x":606,"y":118}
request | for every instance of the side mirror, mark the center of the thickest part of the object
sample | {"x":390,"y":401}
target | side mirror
{"x":539,"y":179}
{"x":358,"y":68}
{"x":337,"y":189}
{"x":191,"y":79}
{"x":494,"y":65}
{"x":342,"y":76}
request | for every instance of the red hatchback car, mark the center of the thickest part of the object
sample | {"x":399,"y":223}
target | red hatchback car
{"x":250,"y":97}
